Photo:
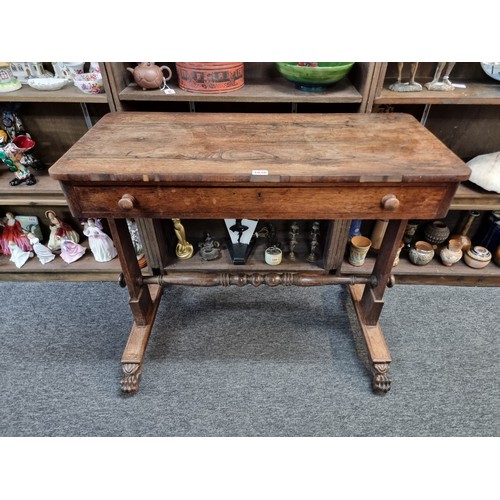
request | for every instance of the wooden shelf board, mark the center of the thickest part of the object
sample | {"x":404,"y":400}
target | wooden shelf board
{"x":279,"y":90}
{"x":69,"y":93}
{"x":433,"y":273}
{"x":84,"y":269}
{"x":45,"y":192}
{"x":474,"y":93}
{"x":472,"y":197}
{"x":255,"y":263}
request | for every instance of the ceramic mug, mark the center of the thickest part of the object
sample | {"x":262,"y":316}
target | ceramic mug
{"x":68,"y":69}
{"x":358,"y":249}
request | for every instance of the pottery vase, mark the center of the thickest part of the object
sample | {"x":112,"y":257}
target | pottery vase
{"x":489,"y":234}
{"x":409,"y":233}
{"x":464,"y":233}
{"x":355,"y":228}
{"x":436,"y":232}
{"x":358,"y":249}
{"x":477,"y":257}
{"x":422,"y":253}
{"x":452,"y":253}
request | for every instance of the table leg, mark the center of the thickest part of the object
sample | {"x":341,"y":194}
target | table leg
{"x":133,"y":355}
{"x":335,"y":244}
{"x":143,"y":303}
{"x":368,"y":303}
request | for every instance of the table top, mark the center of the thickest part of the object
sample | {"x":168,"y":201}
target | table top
{"x":238,"y":148}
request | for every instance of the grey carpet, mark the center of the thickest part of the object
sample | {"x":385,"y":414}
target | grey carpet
{"x":247,"y":362}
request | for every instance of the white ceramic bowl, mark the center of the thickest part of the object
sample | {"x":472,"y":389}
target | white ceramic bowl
{"x":47,"y":83}
{"x":492,"y":69}
{"x":90,"y":83}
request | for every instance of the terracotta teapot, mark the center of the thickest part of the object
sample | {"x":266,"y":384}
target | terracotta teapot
{"x":150,"y":76}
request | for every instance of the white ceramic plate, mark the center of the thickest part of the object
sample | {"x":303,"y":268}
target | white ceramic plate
{"x":492,"y":69}
{"x":47,"y":83}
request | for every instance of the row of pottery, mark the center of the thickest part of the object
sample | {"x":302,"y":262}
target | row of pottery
{"x":476,"y":256}
{"x":13,"y":75}
{"x":221,"y":77}
{"x":422,"y":252}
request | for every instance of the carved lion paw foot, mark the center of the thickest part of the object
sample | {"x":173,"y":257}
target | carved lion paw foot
{"x":381,"y":380}
{"x":381,"y":383}
{"x":132,"y":375}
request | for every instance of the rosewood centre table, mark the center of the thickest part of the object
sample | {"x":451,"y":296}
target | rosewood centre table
{"x":159,"y":167}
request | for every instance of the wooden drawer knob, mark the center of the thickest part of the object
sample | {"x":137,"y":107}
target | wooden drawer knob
{"x":390,"y":202}
{"x":127,"y":202}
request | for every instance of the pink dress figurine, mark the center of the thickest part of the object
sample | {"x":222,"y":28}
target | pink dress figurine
{"x":56,"y":223}
{"x":70,"y":251}
{"x":12,"y":231}
{"x":17,"y":255}
{"x":100,"y":243}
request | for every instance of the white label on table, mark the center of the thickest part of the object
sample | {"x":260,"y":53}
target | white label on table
{"x":260,"y":172}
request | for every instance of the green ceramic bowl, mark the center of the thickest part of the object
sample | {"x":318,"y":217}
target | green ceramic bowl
{"x":314,"y":78}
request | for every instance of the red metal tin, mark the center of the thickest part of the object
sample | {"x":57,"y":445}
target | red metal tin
{"x":210,"y":77}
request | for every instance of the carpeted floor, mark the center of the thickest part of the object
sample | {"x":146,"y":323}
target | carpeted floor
{"x":247,"y":362}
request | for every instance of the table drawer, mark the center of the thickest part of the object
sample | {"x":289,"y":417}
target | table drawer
{"x":346,"y":201}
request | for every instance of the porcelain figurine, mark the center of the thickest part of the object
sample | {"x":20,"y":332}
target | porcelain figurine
{"x":101,"y":245}
{"x":56,"y":223}
{"x":12,"y":155}
{"x":452,"y":253}
{"x":18,"y":256}
{"x":13,"y":138}
{"x":41,"y":251}
{"x":150,"y":76}
{"x":70,"y":251}
{"x":12,"y":231}
{"x":411,"y":85}
{"x":183,"y":249}
{"x":445,"y":84}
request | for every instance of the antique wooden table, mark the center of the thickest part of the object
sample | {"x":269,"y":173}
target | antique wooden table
{"x":155,"y":167}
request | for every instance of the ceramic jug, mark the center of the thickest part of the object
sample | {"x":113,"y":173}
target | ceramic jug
{"x":452,"y":253}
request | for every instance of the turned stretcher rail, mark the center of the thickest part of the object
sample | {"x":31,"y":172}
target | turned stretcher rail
{"x":255,"y":279}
